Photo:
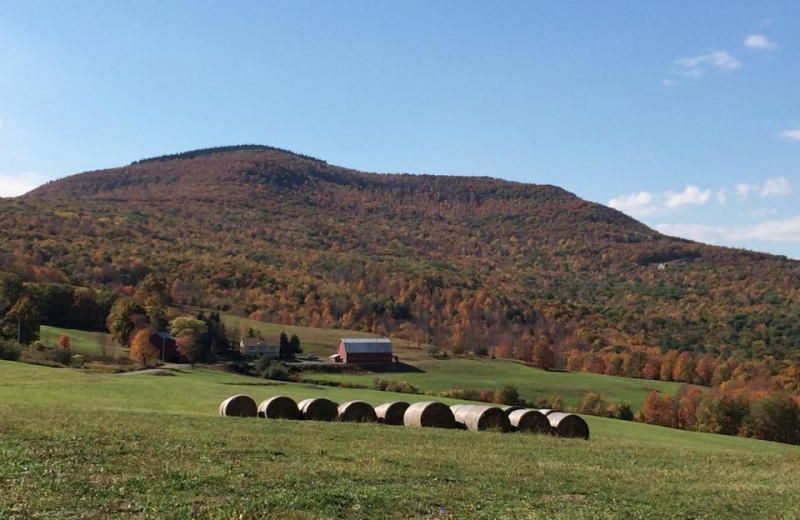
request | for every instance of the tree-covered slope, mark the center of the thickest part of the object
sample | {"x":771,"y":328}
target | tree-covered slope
{"x":466,"y":262}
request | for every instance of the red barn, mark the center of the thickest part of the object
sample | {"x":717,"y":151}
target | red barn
{"x":167,"y":348}
{"x":364,"y":350}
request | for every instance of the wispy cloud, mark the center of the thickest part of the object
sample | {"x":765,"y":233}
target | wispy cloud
{"x":692,"y":195}
{"x":791,"y":135}
{"x":644,"y":203}
{"x":696,"y":66}
{"x":639,"y":204}
{"x":760,"y":42}
{"x":774,"y":187}
{"x":776,"y":230}
{"x":15,"y":184}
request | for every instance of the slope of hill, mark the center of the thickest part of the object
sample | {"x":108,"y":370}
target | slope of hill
{"x":78,"y":444}
{"x":466,"y":262}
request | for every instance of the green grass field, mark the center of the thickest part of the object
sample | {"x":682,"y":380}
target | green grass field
{"x":81,"y":341}
{"x":445,"y":374}
{"x":533,"y":384}
{"x":75,"y":444}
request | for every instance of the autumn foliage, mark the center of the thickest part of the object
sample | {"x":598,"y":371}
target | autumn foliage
{"x":142,"y":351}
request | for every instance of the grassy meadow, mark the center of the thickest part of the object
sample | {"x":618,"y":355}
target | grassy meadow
{"x":81,"y":341}
{"x":76,"y":444}
{"x":475,"y":373}
{"x":444,"y":374}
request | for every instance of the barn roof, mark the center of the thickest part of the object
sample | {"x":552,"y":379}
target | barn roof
{"x":367,"y":345}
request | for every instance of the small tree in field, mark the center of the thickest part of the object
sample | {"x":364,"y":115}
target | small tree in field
{"x":63,"y":342}
{"x":141,"y":349}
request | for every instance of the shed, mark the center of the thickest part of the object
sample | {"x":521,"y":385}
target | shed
{"x":365,"y":350}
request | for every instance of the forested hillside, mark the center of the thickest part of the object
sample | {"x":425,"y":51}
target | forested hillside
{"x":470,"y":263}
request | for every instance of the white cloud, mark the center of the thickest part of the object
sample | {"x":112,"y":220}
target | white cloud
{"x":643,"y":203}
{"x":783,"y":230}
{"x":696,"y":66}
{"x":722,"y":196}
{"x":777,"y":230}
{"x":774,"y":187}
{"x":15,"y":184}
{"x":792,"y":135}
{"x":636,"y":204}
{"x":760,"y":42}
{"x":690,"y":195}
{"x":669,"y":82}
{"x":777,"y":187}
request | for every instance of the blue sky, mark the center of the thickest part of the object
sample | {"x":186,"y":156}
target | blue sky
{"x":685,"y":115}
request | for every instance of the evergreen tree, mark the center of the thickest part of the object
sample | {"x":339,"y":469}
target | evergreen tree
{"x":294,"y":345}
{"x":285,"y":351}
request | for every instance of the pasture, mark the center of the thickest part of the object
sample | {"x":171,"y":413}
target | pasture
{"x":444,"y":374}
{"x":75,"y":444}
{"x":81,"y":341}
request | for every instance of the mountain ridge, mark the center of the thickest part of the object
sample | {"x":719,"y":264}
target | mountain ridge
{"x":472,"y":261}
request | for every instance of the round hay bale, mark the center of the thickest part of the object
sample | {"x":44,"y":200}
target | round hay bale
{"x":525,"y":420}
{"x":279,"y":407}
{"x":511,"y":408}
{"x":318,"y":409}
{"x":239,"y":406}
{"x":357,"y":411}
{"x":546,"y":411}
{"x":392,"y":413}
{"x":480,"y":418}
{"x":429,"y":414}
{"x":568,"y":425}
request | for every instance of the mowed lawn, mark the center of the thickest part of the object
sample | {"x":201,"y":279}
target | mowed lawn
{"x":532,"y":383}
{"x":85,"y":445}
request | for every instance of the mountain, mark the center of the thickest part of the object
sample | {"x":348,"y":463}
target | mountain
{"x":468,"y":262}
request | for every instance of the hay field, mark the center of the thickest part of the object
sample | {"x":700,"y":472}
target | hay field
{"x":532,"y":383}
{"x":76,"y":445}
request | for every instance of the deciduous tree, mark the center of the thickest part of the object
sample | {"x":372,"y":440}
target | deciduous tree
{"x":142,"y":350}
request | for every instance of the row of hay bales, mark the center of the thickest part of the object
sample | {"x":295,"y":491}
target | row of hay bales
{"x":426,"y":414}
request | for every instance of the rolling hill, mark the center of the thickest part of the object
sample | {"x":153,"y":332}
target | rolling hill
{"x":471,"y":263}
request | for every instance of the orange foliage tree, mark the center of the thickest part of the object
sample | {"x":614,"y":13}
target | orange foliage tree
{"x":142,"y":350}
{"x":63,"y":342}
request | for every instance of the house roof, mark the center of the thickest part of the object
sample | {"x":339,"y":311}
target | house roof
{"x":367,"y":345}
{"x":164,"y":335}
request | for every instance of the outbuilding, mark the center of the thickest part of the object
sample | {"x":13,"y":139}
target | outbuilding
{"x":364,"y":350}
{"x":257,"y":347}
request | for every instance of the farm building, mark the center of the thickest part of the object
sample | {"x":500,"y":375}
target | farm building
{"x":167,"y":348}
{"x":257,"y":347}
{"x":364,"y":350}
